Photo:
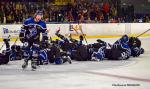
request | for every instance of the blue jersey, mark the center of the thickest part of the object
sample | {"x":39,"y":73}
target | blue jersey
{"x":33,"y":29}
{"x":120,"y":44}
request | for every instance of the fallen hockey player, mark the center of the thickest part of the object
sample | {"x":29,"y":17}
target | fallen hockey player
{"x":98,"y":49}
{"x":53,"y":54}
{"x":135,"y":46}
{"x":11,"y":53}
{"x":122,"y":49}
{"x":73,"y":47}
{"x":119,"y":50}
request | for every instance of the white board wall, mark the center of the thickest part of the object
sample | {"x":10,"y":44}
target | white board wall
{"x":109,"y":29}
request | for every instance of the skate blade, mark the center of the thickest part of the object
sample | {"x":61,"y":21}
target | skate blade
{"x":23,"y":68}
{"x":33,"y":69}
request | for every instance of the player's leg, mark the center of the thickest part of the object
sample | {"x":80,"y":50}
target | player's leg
{"x":43,"y":57}
{"x":35,"y":56}
{"x":26,"y":57}
{"x":93,"y":56}
{"x":26,"y":54}
{"x":66,"y":57}
{"x":60,"y":36}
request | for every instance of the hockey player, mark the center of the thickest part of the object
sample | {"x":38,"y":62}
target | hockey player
{"x":135,"y":46}
{"x":4,"y":56}
{"x":52,"y":53}
{"x":99,"y":48}
{"x":60,"y":57}
{"x":63,"y":47}
{"x":11,"y":53}
{"x":120,"y":49}
{"x":30,"y":37}
{"x":99,"y":55}
{"x":55,"y":55}
{"x":75,"y":48}
{"x":15,"y":53}
{"x":64,"y":43}
{"x":80,"y":51}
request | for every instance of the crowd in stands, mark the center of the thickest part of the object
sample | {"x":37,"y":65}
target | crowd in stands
{"x":81,"y":11}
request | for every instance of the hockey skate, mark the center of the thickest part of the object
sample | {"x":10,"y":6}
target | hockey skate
{"x":33,"y":66}
{"x":69,"y":60}
{"x":25,"y":64}
{"x":95,"y":59}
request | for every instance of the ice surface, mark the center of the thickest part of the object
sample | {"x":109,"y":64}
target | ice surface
{"x":81,"y":75}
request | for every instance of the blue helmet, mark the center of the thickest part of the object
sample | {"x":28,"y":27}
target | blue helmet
{"x":38,"y":12}
{"x":124,"y":39}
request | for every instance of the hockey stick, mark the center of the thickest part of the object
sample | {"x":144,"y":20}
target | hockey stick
{"x":50,"y":39}
{"x":4,"y":43}
{"x":83,"y":34}
{"x":16,"y":41}
{"x":70,"y":36}
{"x":143,"y":33}
{"x":80,"y":28}
{"x":74,"y":29}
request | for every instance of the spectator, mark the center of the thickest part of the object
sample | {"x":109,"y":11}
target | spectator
{"x":69,"y":16}
{"x":92,"y":15}
{"x":106,"y":8}
{"x":146,"y":19}
{"x":101,"y":11}
{"x":1,"y":15}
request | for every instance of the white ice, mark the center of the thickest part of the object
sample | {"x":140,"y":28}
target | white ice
{"x":81,"y":75}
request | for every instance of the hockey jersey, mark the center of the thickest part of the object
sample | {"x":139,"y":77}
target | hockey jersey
{"x":31,"y":30}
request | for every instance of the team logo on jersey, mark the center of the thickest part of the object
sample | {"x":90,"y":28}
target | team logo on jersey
{"x":33,"y":32}
{"x":38,"y":27}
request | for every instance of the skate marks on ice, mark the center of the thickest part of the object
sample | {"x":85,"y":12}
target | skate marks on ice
{"x":14,"y":67}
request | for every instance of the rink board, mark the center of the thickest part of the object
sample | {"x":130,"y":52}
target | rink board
{"x":103,"y":30}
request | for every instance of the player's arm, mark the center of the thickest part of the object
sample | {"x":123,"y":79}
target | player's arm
{"x":23,"y":30}
{"x":44,"y":33}
{"x":6,"y":41}
{"x":22,"y":34}
{"x":60,"y":35}
{"x":45,"y":36}
{"x":73,"y":40}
